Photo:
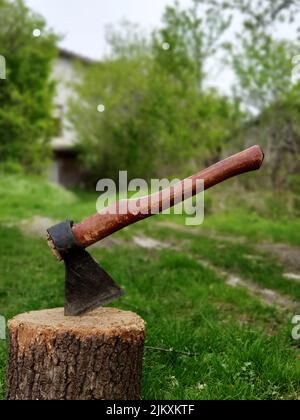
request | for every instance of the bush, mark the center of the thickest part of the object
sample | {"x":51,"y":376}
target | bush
{"x":26,"y":95}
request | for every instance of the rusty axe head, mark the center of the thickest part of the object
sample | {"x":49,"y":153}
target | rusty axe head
{"x":87,"y":285}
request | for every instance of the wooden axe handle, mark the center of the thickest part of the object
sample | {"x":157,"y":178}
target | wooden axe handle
{"x":104,"y":223}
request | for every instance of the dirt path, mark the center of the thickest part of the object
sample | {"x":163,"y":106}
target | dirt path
{"x":267,"y":296}
{"x":289,"y":255}
{"x":36,"y":226}
{"x":201,"y":232}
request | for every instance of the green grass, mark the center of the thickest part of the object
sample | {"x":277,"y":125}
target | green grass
{"x":257,"y":216}
{"x":242,"y":349}
{"x":242,"y":259}
{"x":24,"y":196}
{"x":256,"y":228}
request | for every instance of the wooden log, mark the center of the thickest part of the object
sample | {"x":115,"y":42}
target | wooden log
{"x":93,"y":357}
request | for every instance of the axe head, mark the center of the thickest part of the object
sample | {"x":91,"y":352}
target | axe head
{"x":87,"y":285}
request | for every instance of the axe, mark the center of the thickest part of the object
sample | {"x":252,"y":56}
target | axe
{"x":87,"y":285}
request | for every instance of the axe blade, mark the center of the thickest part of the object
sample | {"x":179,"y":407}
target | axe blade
{"x":87,"y":285}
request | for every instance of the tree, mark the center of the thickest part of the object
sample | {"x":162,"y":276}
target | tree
{"x":261,"y":61}
{"x":112,"y":140}
{"x":263,"y":65}
{"x":191,"y":36}
{"x":27,"y":93}
{"x":263,"y":69}
{"x":157,"y":120}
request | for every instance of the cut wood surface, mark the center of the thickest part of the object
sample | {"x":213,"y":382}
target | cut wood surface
{"x":96,"y":356}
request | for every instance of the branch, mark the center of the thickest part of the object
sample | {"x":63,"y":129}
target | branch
{"x":284,"y":5}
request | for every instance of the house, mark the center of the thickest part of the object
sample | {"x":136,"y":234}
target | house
{"x":65,"y":167}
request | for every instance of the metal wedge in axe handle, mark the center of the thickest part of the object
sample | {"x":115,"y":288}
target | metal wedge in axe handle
{"x":87,"y":285}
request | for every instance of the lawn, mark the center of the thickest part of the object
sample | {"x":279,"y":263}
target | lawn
{"x":205,"y":338}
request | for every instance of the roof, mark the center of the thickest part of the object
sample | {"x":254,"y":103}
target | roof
{"x":74,"y":56}
{"x":63,"y":144}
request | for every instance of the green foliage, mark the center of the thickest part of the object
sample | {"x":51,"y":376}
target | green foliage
{"x":277,"y":130}
{"x":263,"y":68}
{"x":262,"y":63}
{"x":263,"y":14}
{"x":193,"y":36}
{"x":23,"y":196}
{"x":158,"y":120}
{"x":260,"y":59}
{"x":161,"y":120}
{"x":26,"y":94}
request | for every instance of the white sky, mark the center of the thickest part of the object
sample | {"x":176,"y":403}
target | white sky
{"x":82,"y":23}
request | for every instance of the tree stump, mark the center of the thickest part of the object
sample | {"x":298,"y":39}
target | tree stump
{"x":94,"y":357}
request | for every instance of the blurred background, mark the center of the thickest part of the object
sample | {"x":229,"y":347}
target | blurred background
{"x":156,"y":88}
{"x":161,"y":89}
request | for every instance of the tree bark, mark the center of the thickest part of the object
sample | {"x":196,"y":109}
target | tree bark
{"x":93,"y":357}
